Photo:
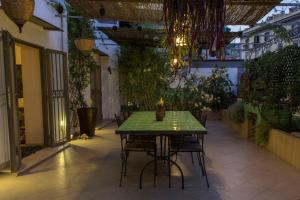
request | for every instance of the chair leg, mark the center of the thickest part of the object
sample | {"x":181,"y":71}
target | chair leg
{"x":202,"y":143}
{"x":161,"y":146}
{"x":165,"y":145}
{"x":169,"y":163}
{"x":155,"y":167}
{"x":203,"y":161}
{"x":126,"y":159}
{"x":122,"y":169}
{"x":200,"y":163}
{"x":192,"y":157}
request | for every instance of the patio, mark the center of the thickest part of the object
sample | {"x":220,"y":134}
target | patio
{"x":90,"y":169}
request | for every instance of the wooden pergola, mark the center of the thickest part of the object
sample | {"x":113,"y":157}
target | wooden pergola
{"x":238,"y":12}
{"x":147,"y":37}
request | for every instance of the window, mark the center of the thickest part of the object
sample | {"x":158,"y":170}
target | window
{"x":267,"y":36}
{"x":256,"y":39}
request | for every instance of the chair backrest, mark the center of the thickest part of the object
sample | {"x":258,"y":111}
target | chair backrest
{"x":123,"y":137}
{"x":203,"y":119}
{"x":118,"y":120}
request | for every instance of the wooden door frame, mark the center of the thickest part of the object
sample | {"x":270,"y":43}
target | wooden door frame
{"x":12,"y":104}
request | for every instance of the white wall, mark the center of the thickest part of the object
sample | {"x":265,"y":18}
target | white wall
{"x":110,"y":85}
{"x":109,"y":82}
{"x":35,"y":34}
{"x":232,"y":72}
{"x":32,"y":92}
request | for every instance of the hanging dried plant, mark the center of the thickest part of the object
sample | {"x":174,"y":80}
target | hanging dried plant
{"x":197,"y":24}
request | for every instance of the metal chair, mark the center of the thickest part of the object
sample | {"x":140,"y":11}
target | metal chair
{"x":135,"y":145}
{"x":192,"y":143}
{"x":181,"y":145}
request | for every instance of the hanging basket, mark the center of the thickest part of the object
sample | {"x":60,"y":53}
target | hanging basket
{"x":85,"y":45}
{"x":19,"y":11}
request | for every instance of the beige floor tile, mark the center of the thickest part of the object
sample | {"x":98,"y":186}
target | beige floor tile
{"x":90,"y":169}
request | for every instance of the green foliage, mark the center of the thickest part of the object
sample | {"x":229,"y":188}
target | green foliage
{"x":219,"y":85}
{"x":201,"y":93}
{"x":80,"y":64}
{"x":144,"y":76}
{"x":236,"y":112}
{"x":279,"y":119}
{"x":262,"y":132}
{"x":272,"y":81}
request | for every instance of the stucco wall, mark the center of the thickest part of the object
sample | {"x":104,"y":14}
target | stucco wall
{"x":36,"y":34}
{"x":110,"y":84}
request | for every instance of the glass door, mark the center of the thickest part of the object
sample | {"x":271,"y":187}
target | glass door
{"x":58,"y":96}
{"x":9,"y":132}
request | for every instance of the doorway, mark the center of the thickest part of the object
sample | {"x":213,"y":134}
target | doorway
{"x":30,"y":103}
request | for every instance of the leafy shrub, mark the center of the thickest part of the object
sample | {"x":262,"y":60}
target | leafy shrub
{"x":273,"y":79}
{"x":262,"y":132}
{"x":236,"y":112}
{"x":279,"y":119}
{"x":143,"y":75}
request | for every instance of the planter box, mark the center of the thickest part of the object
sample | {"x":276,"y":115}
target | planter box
{"x":213,"y":115}
{"x":238,"y":128}
{"x":286,"y":146}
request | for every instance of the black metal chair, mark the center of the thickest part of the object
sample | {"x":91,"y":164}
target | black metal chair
{"x":192,"y":143}
{"x":131,"y":144}
{"x":182,"y":145}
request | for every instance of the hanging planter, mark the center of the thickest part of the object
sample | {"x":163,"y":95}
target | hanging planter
{"x":198,"y":23}
{"x":19,"y":11}
{"x":85,"y":44}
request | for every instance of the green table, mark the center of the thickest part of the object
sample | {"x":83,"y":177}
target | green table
{"x":175,"y":122}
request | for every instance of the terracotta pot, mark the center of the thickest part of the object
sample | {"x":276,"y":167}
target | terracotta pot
{"x":85,"y":45}
{"x":87,"y":120}
{"x":19,"y":11}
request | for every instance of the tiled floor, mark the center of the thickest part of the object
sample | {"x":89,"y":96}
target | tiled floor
{"x":237,"y":169}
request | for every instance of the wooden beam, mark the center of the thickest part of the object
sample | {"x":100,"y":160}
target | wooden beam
{"x":228,"y":2}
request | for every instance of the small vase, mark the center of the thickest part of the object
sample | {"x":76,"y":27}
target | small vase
{"x":160,"y":114}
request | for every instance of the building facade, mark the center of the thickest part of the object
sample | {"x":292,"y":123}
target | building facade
{"x":261,"y":38}
{"x":33,"y":83}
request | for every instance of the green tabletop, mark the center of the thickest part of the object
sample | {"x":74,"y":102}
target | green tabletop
{"x":175,"y":122}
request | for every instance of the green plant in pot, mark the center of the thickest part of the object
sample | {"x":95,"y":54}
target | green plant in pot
{"x":81,"y":64}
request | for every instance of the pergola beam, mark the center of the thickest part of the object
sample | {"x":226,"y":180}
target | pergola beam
{"x":238,"y":12}
{"x":228,"y":2}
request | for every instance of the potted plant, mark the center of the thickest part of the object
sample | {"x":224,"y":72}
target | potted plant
{"x":81,"y":65}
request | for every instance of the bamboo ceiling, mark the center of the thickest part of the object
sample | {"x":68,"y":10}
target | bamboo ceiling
{"x":238,"y":12}
{"x":147,"y":37}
